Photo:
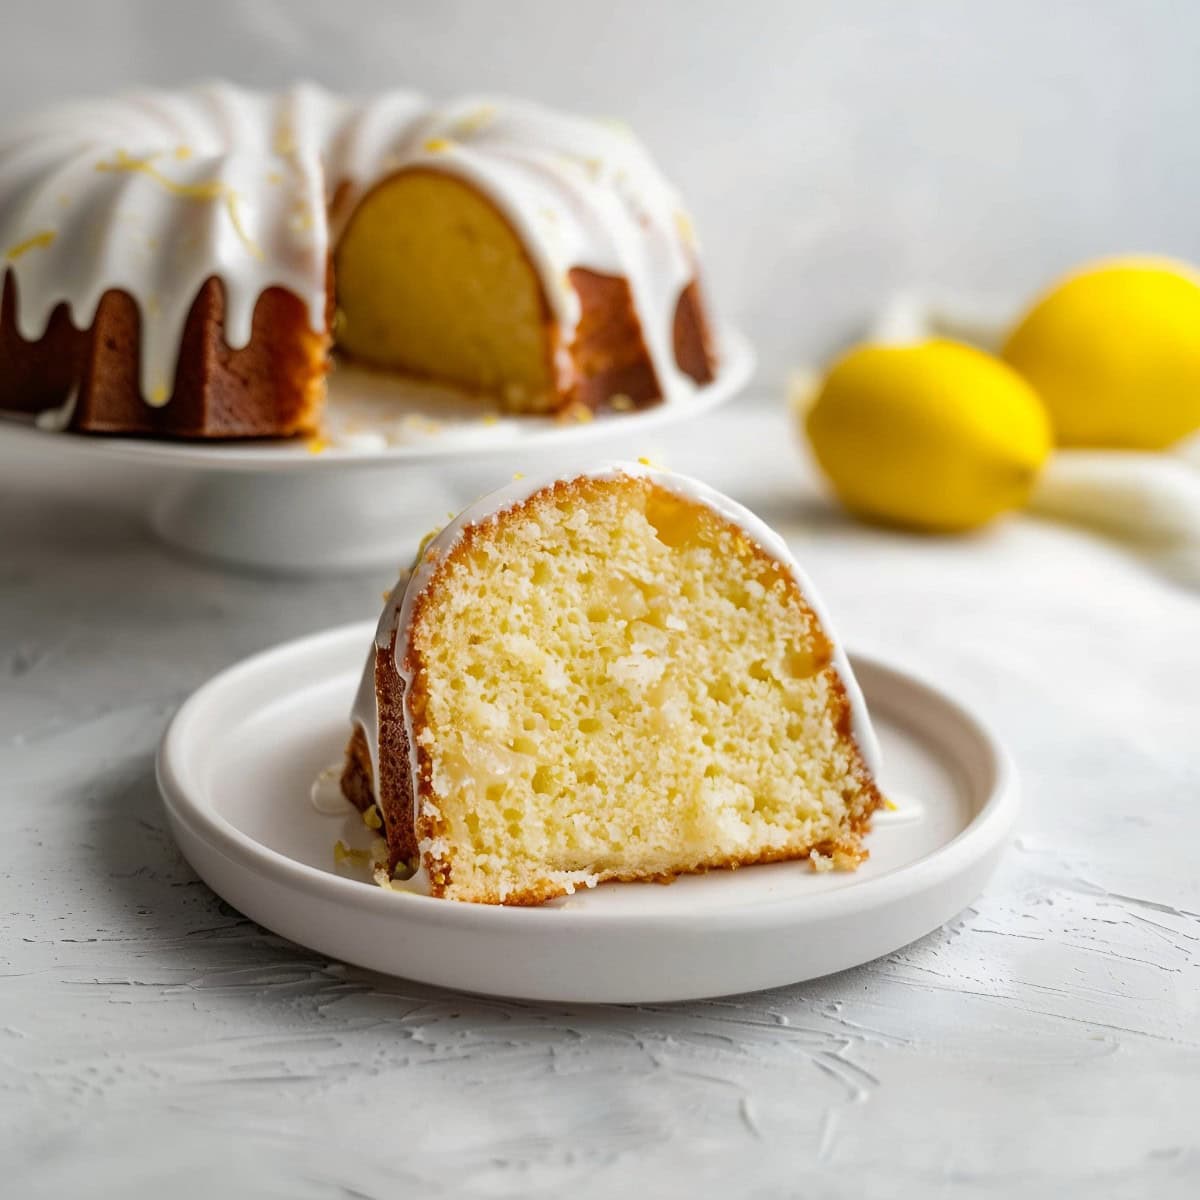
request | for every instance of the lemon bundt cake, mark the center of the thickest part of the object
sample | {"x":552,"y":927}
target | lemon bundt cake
{"x":621,"y":675}
{"x":179,"y":263}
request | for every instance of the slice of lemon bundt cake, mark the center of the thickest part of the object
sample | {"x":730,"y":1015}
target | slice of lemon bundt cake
{"x":617,"y":675}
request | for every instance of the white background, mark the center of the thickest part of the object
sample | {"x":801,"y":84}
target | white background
{"x":831,"y":151}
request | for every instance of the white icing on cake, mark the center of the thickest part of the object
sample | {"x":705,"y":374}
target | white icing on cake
{"x":155,"y":192}
{"x":397,"y":613}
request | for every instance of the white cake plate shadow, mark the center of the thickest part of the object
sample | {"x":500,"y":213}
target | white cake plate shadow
{"x":395,"y":458}
{"x":238,"y":760}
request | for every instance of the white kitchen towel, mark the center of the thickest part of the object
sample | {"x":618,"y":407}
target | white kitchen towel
{"x":1148,"y":502}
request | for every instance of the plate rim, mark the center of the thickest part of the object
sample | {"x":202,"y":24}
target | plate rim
{"x":736,"y":368}
{"x":984,"y":834}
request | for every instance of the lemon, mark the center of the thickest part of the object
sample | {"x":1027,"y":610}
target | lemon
{"x":936,"y":435}
{"x":1114,"y":352}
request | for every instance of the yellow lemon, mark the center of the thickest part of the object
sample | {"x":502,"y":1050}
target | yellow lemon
{"x":937,"y":435}
{"x":1114,"y":352}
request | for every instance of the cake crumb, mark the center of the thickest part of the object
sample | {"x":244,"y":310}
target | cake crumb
{"x":847,"y":856}
{"x":576,"y":412}
{"x":343,"y":853}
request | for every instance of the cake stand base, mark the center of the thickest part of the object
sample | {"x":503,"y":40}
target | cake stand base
{"x":297,"y":523}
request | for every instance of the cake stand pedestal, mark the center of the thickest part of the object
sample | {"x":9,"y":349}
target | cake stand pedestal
{"x":350,"y":520}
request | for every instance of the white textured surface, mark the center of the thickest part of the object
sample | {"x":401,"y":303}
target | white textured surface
{"x":1047,"y":1044}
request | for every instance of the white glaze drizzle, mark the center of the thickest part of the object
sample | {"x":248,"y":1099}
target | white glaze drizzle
{"x":397,"y":613}
{"x":326,"y":793}
{"x":155,"y":192}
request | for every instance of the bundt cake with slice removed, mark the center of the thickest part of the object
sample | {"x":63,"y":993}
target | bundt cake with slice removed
{"x":621,"y":675}
{"x":180,"y":263}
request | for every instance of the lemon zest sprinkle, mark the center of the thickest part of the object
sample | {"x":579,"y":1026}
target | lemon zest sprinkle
{"x":37,"y":241}
{"x":474,"y":121}
{"x":685,"y":228}
{"x":211,"y":189}
{"x":284,"y":141}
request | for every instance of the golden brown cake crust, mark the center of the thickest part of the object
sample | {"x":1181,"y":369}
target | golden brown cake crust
{"x":272,"y":387}
{"x":609,"y":352}
{"x":395,"y":797}
{"x":693,"y":338}
{"x":358,"y":783}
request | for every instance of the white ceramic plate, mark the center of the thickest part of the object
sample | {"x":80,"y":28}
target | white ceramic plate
{"x":237,"y":762}
{"x":378,"y":420}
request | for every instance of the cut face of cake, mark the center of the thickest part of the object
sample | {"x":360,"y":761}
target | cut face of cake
{"x":616,"y":676}
{"x":404,"y":299}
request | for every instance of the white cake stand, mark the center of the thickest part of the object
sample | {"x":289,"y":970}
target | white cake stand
{"x":396,"y":459}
